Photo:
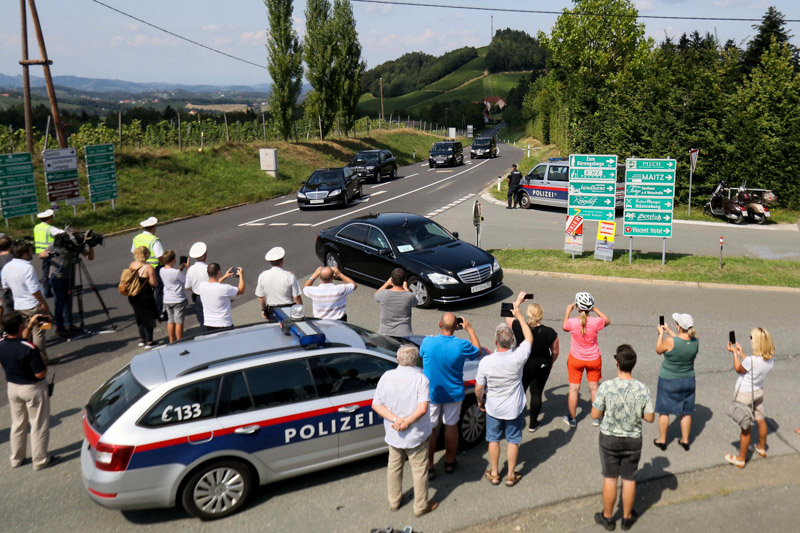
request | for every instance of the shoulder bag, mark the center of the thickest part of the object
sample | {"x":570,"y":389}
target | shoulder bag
{"x":741,"y":414}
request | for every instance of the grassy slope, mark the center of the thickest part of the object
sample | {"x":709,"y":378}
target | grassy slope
{"x":169,"y":184}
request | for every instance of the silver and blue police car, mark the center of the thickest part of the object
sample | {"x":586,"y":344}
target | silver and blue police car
{"x":205,"y":422}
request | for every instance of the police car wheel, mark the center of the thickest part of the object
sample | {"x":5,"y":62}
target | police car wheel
{"x":332,"y":260}
{"x":217,"y":490}
{"x":472,"y":424}
{"x":525,"y":201}
{"x":421,"y":291}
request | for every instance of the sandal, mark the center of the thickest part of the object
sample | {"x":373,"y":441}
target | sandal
{"x":449,"y":468}
{"x":493,"y":479}
{"x":513,"y":478}
{"x":761,"y":452}
{"x":732,"y":459}
{"x":431,"y":474}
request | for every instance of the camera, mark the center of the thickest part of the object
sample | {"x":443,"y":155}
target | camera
{"x":73,"y":240}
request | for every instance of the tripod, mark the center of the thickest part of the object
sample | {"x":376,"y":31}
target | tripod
{"x":76,"y":288}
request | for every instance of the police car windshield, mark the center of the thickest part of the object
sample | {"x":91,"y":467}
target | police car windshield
{"x":481,"y":142}
{"x":419,"y":237}
{"x":112,"y":399}
{"x":376,"y":341}
{"x":442,"y":147}
{"x":325,"y":177}
{"x":366,"y":157}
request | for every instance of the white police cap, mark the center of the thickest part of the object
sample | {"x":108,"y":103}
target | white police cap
{"x":275,"y":254}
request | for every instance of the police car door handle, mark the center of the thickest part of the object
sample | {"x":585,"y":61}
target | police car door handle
{"x":349,"y":408}
{"x":247,"y":430}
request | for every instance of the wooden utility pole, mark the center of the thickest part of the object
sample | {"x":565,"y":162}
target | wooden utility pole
{"x":45,"y":63}
{"x":381,"y":80}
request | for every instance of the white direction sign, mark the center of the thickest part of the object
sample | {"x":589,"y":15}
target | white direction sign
{"x":61,"y":174}
{"x":592,"y":186}
{"x":649,"y":197}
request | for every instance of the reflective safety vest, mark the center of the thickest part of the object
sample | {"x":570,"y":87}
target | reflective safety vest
{"x":41,"y":237}
{"x":147,"y":240}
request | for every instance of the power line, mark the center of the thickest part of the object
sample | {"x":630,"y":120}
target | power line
{"x":544,"y":12}
{"x":179,"y":36}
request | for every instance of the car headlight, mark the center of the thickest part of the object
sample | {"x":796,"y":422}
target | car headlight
{"x":334,"y":193}
{"x":441,"y":279}
{"x":370,"y":167}
{"x":495,"y":266}
{"x":300,"y":195}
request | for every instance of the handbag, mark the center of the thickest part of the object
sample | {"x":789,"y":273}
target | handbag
{"x":741,"y":414}
{"x":130,"y":284}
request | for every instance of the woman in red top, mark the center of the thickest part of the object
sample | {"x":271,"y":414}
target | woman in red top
{"x":584,"y":353}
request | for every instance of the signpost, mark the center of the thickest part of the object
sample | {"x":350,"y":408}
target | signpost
{"x":604,"y":245}
{"x":573,"y":235}
{"x":102,"y":173}
{"x":649,"y":200}
{"x":477,"y":218}
{"x":61,"y":174}
{"x":592,"y":184}
{"x":17,"y":185}
{"x":692,"y":163}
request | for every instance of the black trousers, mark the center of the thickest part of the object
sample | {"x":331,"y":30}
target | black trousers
{"x":535,"y":376}
{"x":513,"y":195}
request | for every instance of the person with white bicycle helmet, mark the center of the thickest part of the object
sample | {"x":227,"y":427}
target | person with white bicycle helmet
{"x":584,"y":353}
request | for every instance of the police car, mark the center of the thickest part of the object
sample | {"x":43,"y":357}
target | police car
{"x":205,"y":422}
{"x":548,"y":184}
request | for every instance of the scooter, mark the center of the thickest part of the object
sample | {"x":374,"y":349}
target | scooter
{"x":728,"y":208}
{"x":755,"y":200}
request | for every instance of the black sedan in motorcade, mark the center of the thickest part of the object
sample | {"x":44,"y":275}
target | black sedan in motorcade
{"x":439,"y":267}
{"x":483,"y":147}
{"x":374,"y":165}
{"x":329,"y":186}
{"x":446,"y":153}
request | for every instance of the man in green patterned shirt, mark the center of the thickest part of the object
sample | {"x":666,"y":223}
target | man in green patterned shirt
{"x":622,"y":403}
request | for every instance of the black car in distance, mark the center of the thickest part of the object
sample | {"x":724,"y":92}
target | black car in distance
{"x":483,"y":147}
{"x":446,"y":153}
{"x":329,"y":186}
{"x":374,"y":165}
{"x":439,"y":267}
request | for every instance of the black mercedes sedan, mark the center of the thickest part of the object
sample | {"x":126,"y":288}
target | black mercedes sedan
{"x":374,"y":165}
{"x":439,"y":267}
{"x":329,"y":186}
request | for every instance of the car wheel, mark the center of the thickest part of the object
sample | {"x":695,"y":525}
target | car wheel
{"x":345,"y":199}
{"x":378,"y":176}
{"x":360,"y":191}
{"x":217,"y":490}
{"x":471,"y":156}
{"x":393,"y":173}
{"x":332,"y":260}
{"x":524,"y":201}
{"x":421,"y":292}
{"x":472,"y":424}
{"x":431,"y":165}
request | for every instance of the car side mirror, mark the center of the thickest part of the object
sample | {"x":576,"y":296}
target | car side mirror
{"x":384,"y":252}
{"x":455,"y":234}
{"x":303,"y":182}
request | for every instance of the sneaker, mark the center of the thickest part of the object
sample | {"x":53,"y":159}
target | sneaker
{"x":151,"y":346}
{"x":595,"y":422}
{"x":626,"y":523}
{"x":533,"y":429}
{"x":571,"y":422}
{"x":432,"y":506}
{"x":141,"y":343}
{"x":608,"y":523}
{"x":51,"y":461}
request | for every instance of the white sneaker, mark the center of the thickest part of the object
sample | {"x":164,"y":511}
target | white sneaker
{"x":571,"y":422}
{"x":595,"y":422}
{"x":141,"y":343}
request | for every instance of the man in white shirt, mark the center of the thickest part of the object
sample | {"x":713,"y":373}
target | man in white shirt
{"x":329,"y":300}
{"x":401,"y":398}
{"x":217,"y":297}
{"x":277,"y":287}
{"x":197,"y":274}
{"x":20,"y":276}
{"x":498,"y":388}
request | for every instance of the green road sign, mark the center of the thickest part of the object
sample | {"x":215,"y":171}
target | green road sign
{"x":22,"y":200}
{"x":102,"y":178}
{"x":17,"y":170}
{"x":16,"y":159}
{"x":23,"y":190}
{"x":646,"y":230}
{"x":98,"y":149}
{"x":99,"y":159}
{"x":662,"y":177}
{"x":15,"y":181}
{"x":649,"y":204}
{"x":592,"y":213}
{"x":99,"y":169}
{"x":593,"y":161}
{"x":589,"y":187}
{"x":102,"y":187}
{"x":606,"y":202}
{"x":647,"y":216}
{"x":592,"y":174}
{"x":650,"y":164}
{"x":30,"y":209}
{"x":62,"y":175}
{"x":636,"y":189}
{"x":103,"y":196}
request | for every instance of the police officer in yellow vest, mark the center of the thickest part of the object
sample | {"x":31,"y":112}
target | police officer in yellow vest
{"x":43,"y":234}
{"x":148,"y":239}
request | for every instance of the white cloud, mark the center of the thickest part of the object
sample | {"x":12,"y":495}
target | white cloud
{"x":209,"y":27}
{"x":427,"y":39}
{"x":116,"y":41}
{"x":748,"y":4}
{"x":373,"y":9}
{"x":252,"y":38}
{"x":148,"y":41}
{"x":645,"y":6}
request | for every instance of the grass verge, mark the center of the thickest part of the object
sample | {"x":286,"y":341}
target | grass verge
{"x":678,"y":267}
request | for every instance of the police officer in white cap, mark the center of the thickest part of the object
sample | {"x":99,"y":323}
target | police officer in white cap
{"x":277,"y":287}
{"x":197,"y":274}
{"x":148,"y":239}
{"x":43,"y":234}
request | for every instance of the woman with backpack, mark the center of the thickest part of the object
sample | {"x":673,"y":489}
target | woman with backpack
{"x":144,"y":301}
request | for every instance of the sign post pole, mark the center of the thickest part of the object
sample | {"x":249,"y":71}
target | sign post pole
{"x":664,"y":251}
{"x":692,"y":162}
{"x":630,"y":250}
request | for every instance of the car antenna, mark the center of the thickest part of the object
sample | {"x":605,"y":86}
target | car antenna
{"x":405,"y":221}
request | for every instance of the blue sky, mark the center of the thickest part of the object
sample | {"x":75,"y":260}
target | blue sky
{"x":86,"y":39}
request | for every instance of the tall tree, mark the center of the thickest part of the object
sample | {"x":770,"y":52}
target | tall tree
{"x":319,"y":53}
{"x":285,"y":64}
{"x":772,"y":27}
{"x":348,"y":64}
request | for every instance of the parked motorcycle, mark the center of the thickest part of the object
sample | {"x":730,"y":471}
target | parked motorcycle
{"x":754,"y":201}
{"x":725,"y":207}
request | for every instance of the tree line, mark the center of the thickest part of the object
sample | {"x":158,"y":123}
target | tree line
{"x":609,"y":89}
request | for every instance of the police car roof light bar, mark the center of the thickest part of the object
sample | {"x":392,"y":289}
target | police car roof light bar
{"x":553,"y":159}
{"x":307,"y":333}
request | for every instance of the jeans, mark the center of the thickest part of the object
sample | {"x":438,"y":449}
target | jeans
{"x":63,"y":302}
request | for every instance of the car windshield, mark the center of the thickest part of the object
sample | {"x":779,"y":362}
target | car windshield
{"x":420,"y":237}
{"x":366,"y":157}
{"x":325,"y":177}
{"x":376,"y":341}
{"x":481,"y":142}
{"x":442,"y":147}
{"x":112,"y":399}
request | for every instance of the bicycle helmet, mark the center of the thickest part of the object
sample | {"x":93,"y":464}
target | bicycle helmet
{"x":584,"y":301}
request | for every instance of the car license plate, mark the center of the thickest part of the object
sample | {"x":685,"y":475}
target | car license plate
{"x":481,"y":287}
{"x":767,"y":214}
{"x":316,"y":201}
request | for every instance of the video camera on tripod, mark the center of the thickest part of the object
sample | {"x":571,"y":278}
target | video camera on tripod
{"x":73,"y":240}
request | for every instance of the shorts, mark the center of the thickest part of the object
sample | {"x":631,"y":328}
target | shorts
{"x":495,"y":427}
{"x":620,"y":456}
{"x":575,"y":368}
{"x":449,"y":412}
{"x":748,"y":398}
{"x":176,"y":312}
{"x":675,"y":396}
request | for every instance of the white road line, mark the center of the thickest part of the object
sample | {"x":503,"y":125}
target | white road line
{"x":254,"y":224}
{"x":376,"y":193}
{"x":424,"y":165}
{"x":301,"y":225}
{"x":279,"y":224}
{"x":286,"y":202}
{"x":398,"y":196}
{"x":390,"y":182}
{"x":269,"y":217}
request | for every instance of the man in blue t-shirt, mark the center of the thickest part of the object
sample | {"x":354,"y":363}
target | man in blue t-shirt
{"x":443,"y":359}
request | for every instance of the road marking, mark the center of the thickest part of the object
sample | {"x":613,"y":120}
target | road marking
{"x":286,"y":202}
{"x":398,"y":196}
{"x":251,"y":223}
{"x":301,"y":225}
{"x":450,"y":205}
{"x":279,"y":224}
{"x":445,"y":171}
{"x":424,"y":164}
{"x":390,"y":182}
{"x":376,"y":193}
{"x":254,"y":224}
